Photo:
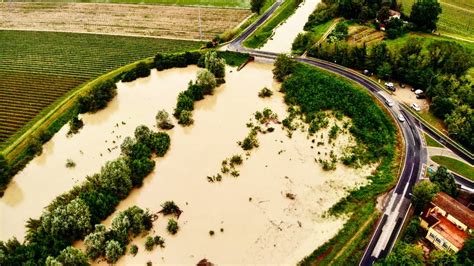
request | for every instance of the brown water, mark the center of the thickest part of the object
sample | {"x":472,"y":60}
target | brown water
{"x":46,"y":176}
{"x":284,"y":34}
{"x":269,"y":228}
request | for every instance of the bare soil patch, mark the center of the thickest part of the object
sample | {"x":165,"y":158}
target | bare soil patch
{"x":121,"y":19}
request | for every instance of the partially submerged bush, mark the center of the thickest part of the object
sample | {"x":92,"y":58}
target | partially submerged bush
{"x":169,"y":207}
{"x":173,"y":226}
{"x":98,"y":97}
{"x":75,"y":125}
{"x":265,"y":92}
{"x":149,"y":243}
{"x":207,"y":81}
{"x":134,"y":250}
{"x":186,"y":118}
{"x":163,"y":120}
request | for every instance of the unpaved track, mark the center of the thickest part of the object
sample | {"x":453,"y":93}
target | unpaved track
{"x":121,"y":19}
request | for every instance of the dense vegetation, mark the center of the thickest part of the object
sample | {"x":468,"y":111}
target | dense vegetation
{"x":438,"y":68}
{"x":314,"y":91}
{"x":71,"y":216}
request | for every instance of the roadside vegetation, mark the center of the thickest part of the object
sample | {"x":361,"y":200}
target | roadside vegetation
{"x":314,"y":91}
{"x":264,"y":32}
{"x":455,"y":165}
{"x":431,"y":142}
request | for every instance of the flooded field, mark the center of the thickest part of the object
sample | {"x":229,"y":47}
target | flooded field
{"x":284,"y":34}
{"x":254,"y":219}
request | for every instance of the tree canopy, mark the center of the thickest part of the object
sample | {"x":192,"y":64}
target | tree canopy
{"x":424,"y":14}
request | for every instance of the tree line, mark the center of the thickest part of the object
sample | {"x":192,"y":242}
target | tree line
{"x":438,"y":68}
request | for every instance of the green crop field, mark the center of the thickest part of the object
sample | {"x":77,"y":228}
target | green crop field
{"x":457,"y":18}
{"x":37,"y":68}
{"x":218,"y":3}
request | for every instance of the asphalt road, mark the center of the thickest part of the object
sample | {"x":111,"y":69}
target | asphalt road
{"x":395,"y":212}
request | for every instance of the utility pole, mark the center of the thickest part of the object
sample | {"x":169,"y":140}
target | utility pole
{"x":200,"y":27}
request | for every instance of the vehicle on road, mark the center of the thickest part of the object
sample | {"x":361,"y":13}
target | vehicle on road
{"x":388,"y":101}
{"x":401,"y":118}
{"x":416,"y":107}
{"x":418,"y":92}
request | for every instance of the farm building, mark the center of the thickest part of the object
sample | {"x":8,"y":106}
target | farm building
{"x":448,"y":222}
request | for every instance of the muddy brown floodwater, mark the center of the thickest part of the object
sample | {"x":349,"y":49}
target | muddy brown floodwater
{"x":260,"y":223}
{"x":284,"y":34}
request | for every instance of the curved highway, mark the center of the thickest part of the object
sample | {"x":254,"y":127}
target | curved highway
{"x":399,"y":203}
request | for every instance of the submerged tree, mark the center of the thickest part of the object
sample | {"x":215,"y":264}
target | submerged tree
{"x":163,"y":120}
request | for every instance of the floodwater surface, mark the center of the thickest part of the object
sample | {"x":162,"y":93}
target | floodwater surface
{"x":284,"y":34}
{"x":272,"y":213}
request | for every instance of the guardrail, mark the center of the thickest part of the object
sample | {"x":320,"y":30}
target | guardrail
{"x":439,"y":133}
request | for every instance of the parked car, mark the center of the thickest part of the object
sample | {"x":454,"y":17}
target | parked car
{"x":367,"y":72}
{"x":390,"y":86}
{"x":415,"y":107}
{"x":421,"y":96}
{"x":402,"y":85}
{"x":417,"y":92}
{"x":401,"y":118}
{"x":413,"y":89}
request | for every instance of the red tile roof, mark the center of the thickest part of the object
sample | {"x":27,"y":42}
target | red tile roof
{"x":455,"y":209}
{"x":450,"y":232}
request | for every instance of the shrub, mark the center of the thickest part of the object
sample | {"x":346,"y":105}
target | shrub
{"x":113,"y":251}
{"x":70,"y":163}
{"x":163,"y":120}
{"x":186,"y":118}
{"x":211,"y":233}
{"x":195,"y":91}
{"x":184,"y":103}
{"x":75,"y":125}
{"x":140,"y":71}
{"x":97,"y":98}
{"x":140,"y":168}
{"x":214,"y":64}
{"x":284,"y":66}
{"x":169,"y":207}
{"x":207,"y":81}
{"x":115,"y":178}
{"x":149,"y":243}
{"x":159,"y":241}
{"x":95,"y":242}
{"x":236,"y":160}
{"x":134,"y":250}
{"x":164,"y":61}
{"x":172,"y":226}
{"x":265,"y":92}
{"x":160,"y":143}
{"x":250,"y":141}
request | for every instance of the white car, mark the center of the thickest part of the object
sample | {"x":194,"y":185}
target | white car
{"x":415,"y":107}
{"x":401,"y":118}
{"x":417,"y":92}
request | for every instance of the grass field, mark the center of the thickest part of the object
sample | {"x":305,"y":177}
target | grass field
{"x":455,"y":165}
{"x":218,"y":3}
{"x":431,"y":142}
{"x":261,"y":35}
{"x":457,"y":18}
{"x":129,"y":20}
{"x":37,"y":68}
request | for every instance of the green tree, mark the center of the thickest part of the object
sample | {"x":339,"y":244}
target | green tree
{"x":186,"y":118}
{"x":134,"y":249}
{"x":95,"y":242}
{"x":72,"y":256}
{"x":256,"y":5}
{"x":424,"y":14}
{"x":378,"y":55}
{"x":149,"y":243}
{"x":172,"y":226}
{"x":184,"y":103}
{"x":214,"y":64}
{"x":405,"y":254}
{"x":445,"y":181}
{"x":383,"y":14}
{"x":163,"y":120}
{"x":143,"y":134}
{"x":115,"y":177}
{"x":466,"y":254}
{"x":284,"y":66}
{"x":127,"y":146}
{"x":68,"y":222}
{"x":385,"y":70}
{"x":207,"y":81}
{"x":442,"y":257}
{"x":160,"y":143}
{"x":461,"y":125}
{"x":423,"y":193}
{"x":113,"y":251}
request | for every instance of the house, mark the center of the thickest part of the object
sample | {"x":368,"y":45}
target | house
{"x":448,"y":222}
{"x":394,"y":14}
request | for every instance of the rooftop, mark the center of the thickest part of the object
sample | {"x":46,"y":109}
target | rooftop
{"x":455,"y":209}
{"x":449,"y":231}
